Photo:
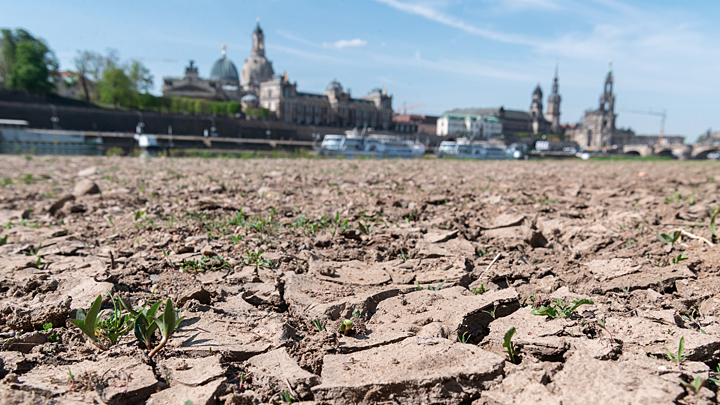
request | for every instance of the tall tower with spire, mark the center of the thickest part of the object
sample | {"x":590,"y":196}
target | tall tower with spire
{"x":258,"y":41}
{"x":553,"y":111}
{"x":536,"y":110}
{"x":607,"y":108}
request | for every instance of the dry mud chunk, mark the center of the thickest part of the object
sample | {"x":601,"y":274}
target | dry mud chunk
{"x":540,"y":337}
{"x":409,"y":373}
{"x":426,"y":271}
{"x":442,"y":313}
{"x":265,"y":294}
{"x":192,"y":372}
{"x":653,"y":337}
{"x":179,"y":394}
{"x":620,"y":274}
{"x":123,"y":380}
{"x":237,"y":334}
{"x":352,"y":272}
{"x":585,"y":380}
{"x":272,"y":369}
{"x":310,"y":298}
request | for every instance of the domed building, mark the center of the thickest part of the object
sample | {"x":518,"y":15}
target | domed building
{"x":224,"y":70}
{"x":223,"y":85}
{"x":257,"y":68}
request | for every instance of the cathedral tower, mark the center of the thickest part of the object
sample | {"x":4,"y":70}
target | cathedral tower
{"x":536,"y":110}
{"x":553,"y":111}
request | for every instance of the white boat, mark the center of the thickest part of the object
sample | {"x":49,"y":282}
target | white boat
{"x":464,"y":148}
{"x":351,"y":145}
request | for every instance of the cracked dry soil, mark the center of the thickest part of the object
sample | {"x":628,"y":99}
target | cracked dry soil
{"x":258,"y":253}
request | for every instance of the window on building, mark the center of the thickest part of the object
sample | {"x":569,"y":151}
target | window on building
{"x":299,"y":108}
{"x":286,"y":92}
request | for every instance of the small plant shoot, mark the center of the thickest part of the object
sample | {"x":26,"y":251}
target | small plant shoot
{"x":678,"y":358}
{"x":346,"y":326}
{"x":560,"y":309}
{"x":508,"y":345}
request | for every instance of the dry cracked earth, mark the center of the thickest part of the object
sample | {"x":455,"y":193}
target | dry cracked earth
{"x":432,"y":261}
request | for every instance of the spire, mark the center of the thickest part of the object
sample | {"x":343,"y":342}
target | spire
{"x":610,"y":69}
{"x":557,"y":64}
{"x":224,"y":49}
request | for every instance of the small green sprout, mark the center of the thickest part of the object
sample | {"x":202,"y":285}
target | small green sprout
{"x":144,"y":327}
{"x":87,"y":322}
{"x":464,"y":338}
{"x":166,"y":323}
{"x":51,"y":334}
{"x":679,"y":258}
{"x":479,"y":290}
{"x":694,"y":386}
{"x":346,"y":326}
{"x":318,"y":325}
{"x":356,"y":313}
{"x":680,"y":356}
{"x":3,"y":240}
{"x":717,"y":371}
{"x":365,"y":229}
{"x":116,"y":324}
{"x":712,"y":222}
{"x":72,"y":379}
{"x":508,"y":345}
{"x":561,"y":310}
{"x":671,"y":238}
{"x":286,"y":397}
{"x":138,"y":214}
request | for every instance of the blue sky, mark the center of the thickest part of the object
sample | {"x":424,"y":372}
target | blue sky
{"x":441,"y":53}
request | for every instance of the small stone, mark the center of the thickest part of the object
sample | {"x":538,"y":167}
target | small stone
{"x":87,"y":172}
{"x":85,"y":187}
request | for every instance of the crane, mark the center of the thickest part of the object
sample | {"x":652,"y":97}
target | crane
{"x":662,"y":116}
{"x":405,"y":108}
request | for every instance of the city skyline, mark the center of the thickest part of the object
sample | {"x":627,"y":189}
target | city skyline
{"x":444,"y":54}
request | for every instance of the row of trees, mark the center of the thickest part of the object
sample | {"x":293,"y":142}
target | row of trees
{"x":28,"y":64}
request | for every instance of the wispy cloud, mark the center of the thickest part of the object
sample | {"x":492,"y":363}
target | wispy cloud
{"x":436,"y":15}
{"x":295,"y":38}
{"x":344,"y":43}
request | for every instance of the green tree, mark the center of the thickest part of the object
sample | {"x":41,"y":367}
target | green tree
{"x":90,"y":66}
{"x":140,"y":76}
{"x":26,"y":62}
{"x":117,"y":88}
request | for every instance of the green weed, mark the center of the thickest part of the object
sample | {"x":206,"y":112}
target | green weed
{"x":508,"y":345}
{"x":560,"y":309}
{"x":678,"y":358}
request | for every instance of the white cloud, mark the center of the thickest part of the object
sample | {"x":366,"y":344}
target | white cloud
{"x":345,"y":43}
{"x":433,"y":14}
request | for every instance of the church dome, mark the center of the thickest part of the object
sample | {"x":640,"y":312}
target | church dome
{"x":255,"y":70}
{"x":334,"y":87}
{"x":224,"y":70}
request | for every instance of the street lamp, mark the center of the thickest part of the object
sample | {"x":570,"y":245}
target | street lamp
{"x":267,"y":131}
{"x":141,"y":124}
{"x":54,"y":117}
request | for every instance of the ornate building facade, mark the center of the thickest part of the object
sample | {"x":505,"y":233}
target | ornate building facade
{"x":259,"y":86}
{"x":334,"y":107}
{"x":597,"y":129}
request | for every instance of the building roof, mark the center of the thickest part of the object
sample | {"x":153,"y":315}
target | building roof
{"x":223,"y":69}
{"x":493,"y":112}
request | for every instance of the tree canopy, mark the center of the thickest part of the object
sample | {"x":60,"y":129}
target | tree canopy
{"x":26,"y":62}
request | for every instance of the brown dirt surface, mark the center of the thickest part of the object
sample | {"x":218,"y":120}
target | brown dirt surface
{"x":433,"y":261}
